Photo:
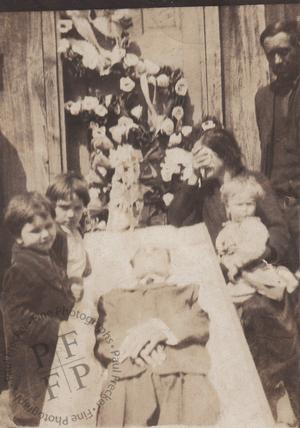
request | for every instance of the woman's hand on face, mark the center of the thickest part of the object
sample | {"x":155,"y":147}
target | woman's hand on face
{"x":201,"y":157}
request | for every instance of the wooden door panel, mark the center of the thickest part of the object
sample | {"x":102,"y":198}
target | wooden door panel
{"x":244,"y":70}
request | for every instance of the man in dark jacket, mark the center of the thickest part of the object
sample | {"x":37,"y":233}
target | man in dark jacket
{"x":278,"y":112}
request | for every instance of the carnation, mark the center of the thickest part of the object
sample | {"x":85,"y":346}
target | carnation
{"x":163,"y":81}
{"x":168,"y":169}
{"x":101,"y":111}
{"x":186,"y":130}
{"x":89,"y":103}
{"x":131,"y":60}
{"x":117,"y":133}
{"x":167,"y":127}
{"x":125,"y":121}
{"x":126,"y":84}
{"x":65,"y":25}
{"x":73,"y":107}
{"x":181,"y":87}
{"x":175,"y":140}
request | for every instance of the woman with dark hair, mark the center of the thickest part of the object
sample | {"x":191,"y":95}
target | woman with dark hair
{"x":217,"y":157}
{"x":269,"y":325}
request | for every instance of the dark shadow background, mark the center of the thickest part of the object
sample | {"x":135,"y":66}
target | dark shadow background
{"x":12,"y":182}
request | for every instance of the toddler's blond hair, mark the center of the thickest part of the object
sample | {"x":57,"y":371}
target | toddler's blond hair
{"x":241,"y":184}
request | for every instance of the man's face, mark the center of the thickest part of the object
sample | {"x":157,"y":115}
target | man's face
{"x":283,"y":56}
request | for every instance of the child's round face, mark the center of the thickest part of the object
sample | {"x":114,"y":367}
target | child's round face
{"x":39,"y":234}
{"x":147,"y":263}
{"x":240,"y":206}
{"x":69,"y":212}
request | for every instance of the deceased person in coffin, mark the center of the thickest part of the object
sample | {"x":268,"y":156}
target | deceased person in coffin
{"x":158,"y":362}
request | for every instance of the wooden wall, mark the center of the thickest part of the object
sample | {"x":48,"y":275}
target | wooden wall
{"x":30,"y":137}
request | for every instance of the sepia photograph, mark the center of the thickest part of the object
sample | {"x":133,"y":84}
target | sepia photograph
{"x":150,"y":215}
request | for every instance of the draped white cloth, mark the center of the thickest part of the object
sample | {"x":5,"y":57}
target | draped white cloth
{"x":233,"y":374}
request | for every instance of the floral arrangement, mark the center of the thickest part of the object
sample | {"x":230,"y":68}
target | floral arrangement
{"x":136,"y":113}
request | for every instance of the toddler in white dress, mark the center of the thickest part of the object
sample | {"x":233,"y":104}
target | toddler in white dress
{"x":242,"y":243}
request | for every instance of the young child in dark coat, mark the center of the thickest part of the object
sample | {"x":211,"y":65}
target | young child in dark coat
{"x":35,"y":298}
{"x":152,"y":339}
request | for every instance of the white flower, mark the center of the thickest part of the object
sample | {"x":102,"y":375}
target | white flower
{"x":82,"y":47}
{"x":100,"y":160}
{"x":163,"y":81}
{"x":126,"y":84}
{"x":137,"y":111}
{"x":65,"y":25}
{"x":124,"y":154}
{"x":116,"y":55}
{"x":175,"y":140}
{"x":117,"y":133}
{"x":181,"y":87}
{"x":101,"y":111}
{"x":166,"y":172}
{"x":94,"y":193}
{"x":73,"y":107}
{"x":167,"y":127}
{"x":96,"y":129}
{"x":187,"y":173}
{"x":125,"y":121}
{"x":168,"y":198}
{"x":179,"y":156}
{"x":151,"y":67}
{"x":63,"y":45}
{"x":89,"y":103}
{"x":102,"y":142}
{"x":168,"y":168}
{"x":102,"y":171}
{"x":178,"y":113}
{"x":131,"y":60}
{"x":93,"y":177}
{"x":140,"y":68}
{"x":151,"y":80}
{"x":90,"y":56}
{"x":186,"y":130}
{"x":208,"y":124}
{"x":90,"y":61}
